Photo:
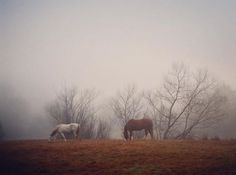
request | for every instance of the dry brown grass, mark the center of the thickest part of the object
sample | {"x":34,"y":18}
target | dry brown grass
{"x":118,"y":157}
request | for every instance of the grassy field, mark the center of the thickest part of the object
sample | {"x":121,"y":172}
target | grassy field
{"x":118,"y":157}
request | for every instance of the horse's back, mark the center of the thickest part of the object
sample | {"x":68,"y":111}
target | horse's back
{"x":147,"y":121}
{"x":74,"y":124}
{"x":67,"y":127}
{"x":139,"y":124}
{"x":62,"y":125}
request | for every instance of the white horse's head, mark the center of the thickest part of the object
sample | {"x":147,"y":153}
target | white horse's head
{"x":51,"y":138}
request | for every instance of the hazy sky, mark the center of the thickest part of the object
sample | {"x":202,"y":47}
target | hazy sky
{"x":109,"y":44}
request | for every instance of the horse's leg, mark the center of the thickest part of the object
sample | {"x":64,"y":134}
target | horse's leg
{"x":151,"y":132}
{"x":77,"y":132}
{"x":63,"y":136}
{"x":75,"y":135}
{"x":146,"y":133}
{"x":131,"y":135}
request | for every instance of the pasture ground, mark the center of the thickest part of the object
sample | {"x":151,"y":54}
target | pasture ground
{"x":118,"y":157}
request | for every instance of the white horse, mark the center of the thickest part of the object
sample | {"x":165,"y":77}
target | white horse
{"x":65,"y":128}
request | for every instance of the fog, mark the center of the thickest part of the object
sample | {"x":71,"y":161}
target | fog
{"x":105,"y":45}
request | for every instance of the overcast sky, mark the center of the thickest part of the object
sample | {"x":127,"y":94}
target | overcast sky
{"x":109,"y":44}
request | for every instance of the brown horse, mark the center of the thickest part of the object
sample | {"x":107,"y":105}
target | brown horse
{"x":135,"y":125}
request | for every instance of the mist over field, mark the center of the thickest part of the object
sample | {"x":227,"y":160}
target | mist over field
{"x":107,"y":46}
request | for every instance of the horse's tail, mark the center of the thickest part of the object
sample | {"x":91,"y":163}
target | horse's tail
{"x":54,"y":132}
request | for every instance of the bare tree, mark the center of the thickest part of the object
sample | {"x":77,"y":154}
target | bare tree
{"x":127,"y":105}
{"x":103,"y":129}
{"x":87,"y":128}
{"x":186,"y":102}
{"x":78,"y":107}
